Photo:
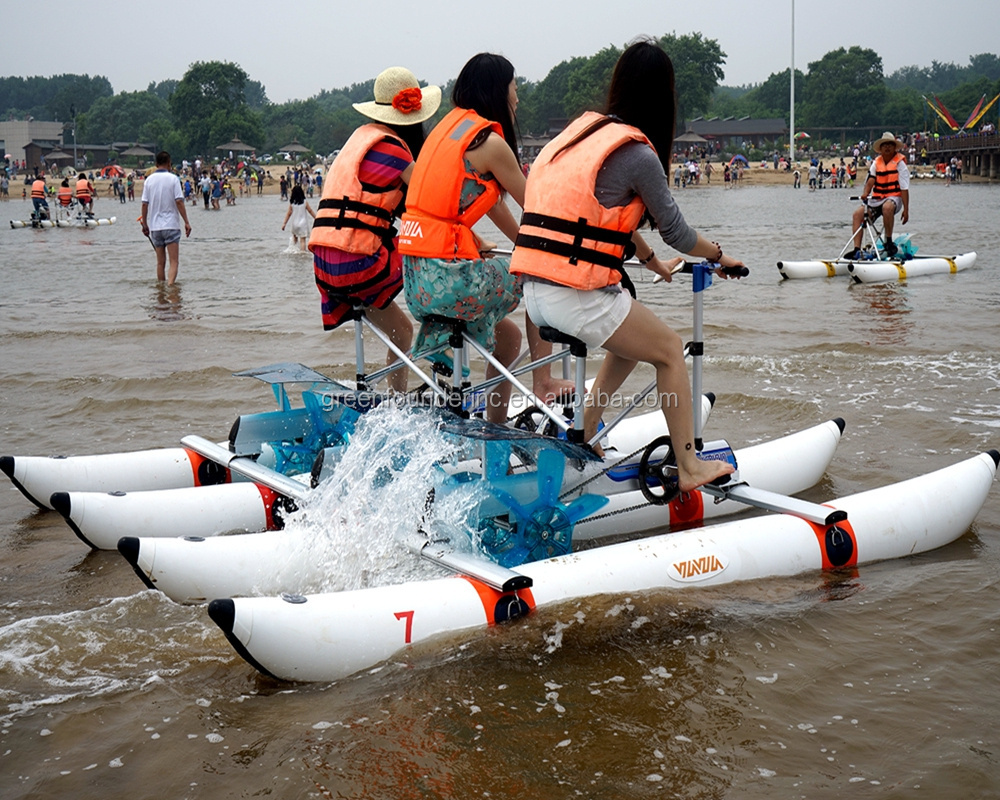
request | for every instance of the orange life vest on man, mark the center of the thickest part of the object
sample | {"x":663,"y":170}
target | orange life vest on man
{"x":566,"y":235}
{"x":83,"y":190}
{"x":65,"y":195}
{"x":887,"y":177}
{"x":433,"y":226}
{"x":353,"y":216}
{"x":38,"y":190}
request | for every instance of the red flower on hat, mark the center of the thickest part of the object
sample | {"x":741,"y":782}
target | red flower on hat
{"x":407,"y":101}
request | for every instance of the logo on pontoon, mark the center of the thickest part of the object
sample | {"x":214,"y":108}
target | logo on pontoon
{"x":697,"y":568}
{"x":411,"y":227}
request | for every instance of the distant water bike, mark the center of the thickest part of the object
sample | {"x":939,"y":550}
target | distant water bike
{"x":874,"y":264}
{"x":71,"y":216}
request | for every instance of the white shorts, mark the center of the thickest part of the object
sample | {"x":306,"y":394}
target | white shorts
{"x":591,"y":316}
{"x":897,"y":203}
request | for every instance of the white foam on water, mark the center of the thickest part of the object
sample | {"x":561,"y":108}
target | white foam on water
{"x":376,"y":495}
{"x":50,"y":660}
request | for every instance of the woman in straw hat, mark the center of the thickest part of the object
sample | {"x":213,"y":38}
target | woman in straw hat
{"x":353,"y":238}
{"x":608,"y":170}
{"x":464,"y":172}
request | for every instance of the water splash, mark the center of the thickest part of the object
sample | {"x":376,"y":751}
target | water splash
{"x":349,"y":536}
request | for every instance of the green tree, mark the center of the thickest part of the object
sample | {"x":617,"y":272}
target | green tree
{"x":697,"y":71}
{"x":844,"y":88}
{"x":79,"y":91}
{"x":209,"y":107}
{"x":126,"y":117}
{"x":547,"y":99}
{"x":587,"y":85}
{"x":51,"y":98}
{"x":163,"y":89}
{"x":256,"y":95}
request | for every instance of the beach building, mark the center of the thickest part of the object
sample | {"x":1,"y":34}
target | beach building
{"x":17,"y":134}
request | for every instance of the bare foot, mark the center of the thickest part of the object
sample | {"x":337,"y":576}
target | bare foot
{"x":704,"y":472}
{"x":554,"y":389}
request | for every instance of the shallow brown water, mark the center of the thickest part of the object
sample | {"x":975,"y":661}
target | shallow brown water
{"x":879,"y":683}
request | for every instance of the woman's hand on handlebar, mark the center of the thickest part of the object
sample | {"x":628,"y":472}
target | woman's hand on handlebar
{"x":665,"y":269}
{"x":730,"y":267}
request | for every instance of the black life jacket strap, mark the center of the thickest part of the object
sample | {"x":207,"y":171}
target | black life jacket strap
{"x":574,"y":251}
{"x":385,"y":232}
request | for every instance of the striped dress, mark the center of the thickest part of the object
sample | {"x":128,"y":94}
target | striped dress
{"x":373,"y":280}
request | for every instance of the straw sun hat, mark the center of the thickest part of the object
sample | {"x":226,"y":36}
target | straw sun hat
{"x":399,"y":100}
{"x":886,"y":137}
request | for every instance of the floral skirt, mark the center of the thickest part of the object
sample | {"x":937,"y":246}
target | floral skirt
{"x":482,"y":292}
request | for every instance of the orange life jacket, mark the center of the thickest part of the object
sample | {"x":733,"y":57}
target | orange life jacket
{"x":356,"y":217}
{"x":433,"y":226}
{"x":38,"y":190}
{"x":566,"y":235}
{"x":887,"y":177}
{"x":65,"y":195}
{"x":83,"y":192}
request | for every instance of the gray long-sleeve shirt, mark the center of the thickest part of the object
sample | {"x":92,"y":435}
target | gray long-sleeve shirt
{"x":634,"y":169}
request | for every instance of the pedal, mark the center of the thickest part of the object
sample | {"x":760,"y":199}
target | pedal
{"x":720,"y":450}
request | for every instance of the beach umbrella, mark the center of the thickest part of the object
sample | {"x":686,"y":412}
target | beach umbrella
{"x":691,"y":137}
{"x":235,"y":145}
{"x":739,"y":157}
{"x":112,"y":170}
{"x":57,"y":155}
{"x":802,"y":135}
{"x":294,"y":147}
{"x":138,"y":150}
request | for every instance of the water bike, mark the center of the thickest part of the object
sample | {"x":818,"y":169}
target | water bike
{"x":65,"y":218}
{"x":326,"y":636}
{"x":541,"y":492}
{"x":874,"y":264}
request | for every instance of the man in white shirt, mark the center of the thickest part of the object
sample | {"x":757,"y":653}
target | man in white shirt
{"x":162,"y":212}
{"x":886,"y":192}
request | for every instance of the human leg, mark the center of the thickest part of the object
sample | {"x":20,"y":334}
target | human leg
{"x":508,"y":344}
{"x":545,"y":387}
{"x":888,"y":218}
{"x":398,"y":327}
{"x":645,"y":337}
{"x":173,"y":253}
{"x":161,"y":263}
{"x":858,"y":221}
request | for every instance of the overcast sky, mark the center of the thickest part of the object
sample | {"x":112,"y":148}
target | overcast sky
{"x":299,"y":47}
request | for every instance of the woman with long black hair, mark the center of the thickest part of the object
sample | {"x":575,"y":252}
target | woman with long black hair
{"x":467,"y":166}
{"x":588,"y":192}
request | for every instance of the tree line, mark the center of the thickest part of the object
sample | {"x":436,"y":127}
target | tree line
{"x":215,"y":101}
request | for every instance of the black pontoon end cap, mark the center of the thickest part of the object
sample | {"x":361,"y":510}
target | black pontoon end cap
{"x":61,"y":502}
{"x":223,"y":614}
{"x":128,"y":546}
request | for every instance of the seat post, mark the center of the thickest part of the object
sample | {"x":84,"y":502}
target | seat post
{"x":361,"y":379}
{"x":578,"y":349}
{"x":576,"y":434}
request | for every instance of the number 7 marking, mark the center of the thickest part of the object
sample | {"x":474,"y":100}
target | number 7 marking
{"x":408,"y":616}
